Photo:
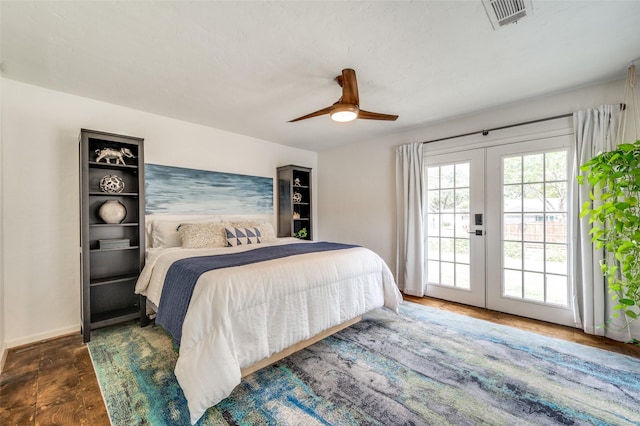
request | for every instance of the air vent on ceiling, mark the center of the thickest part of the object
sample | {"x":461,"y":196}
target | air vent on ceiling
{"x":504,"y":12}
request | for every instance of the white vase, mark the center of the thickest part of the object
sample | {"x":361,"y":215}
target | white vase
{"x":112,"y":211}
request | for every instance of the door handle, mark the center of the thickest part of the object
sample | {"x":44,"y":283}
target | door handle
{"x":476,"y":232}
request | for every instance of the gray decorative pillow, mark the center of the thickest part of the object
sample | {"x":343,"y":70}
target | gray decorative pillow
{"x":202,"y":235}
{"x":242,"y":236}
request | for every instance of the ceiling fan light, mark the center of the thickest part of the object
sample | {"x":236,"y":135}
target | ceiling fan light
{"x":344,"y":113}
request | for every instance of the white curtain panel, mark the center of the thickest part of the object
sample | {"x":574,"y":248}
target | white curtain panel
{"x":410,"y":263}
{"x":596,"y":131}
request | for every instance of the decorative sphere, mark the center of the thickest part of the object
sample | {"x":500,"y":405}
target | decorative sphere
{"x":112,"y":184}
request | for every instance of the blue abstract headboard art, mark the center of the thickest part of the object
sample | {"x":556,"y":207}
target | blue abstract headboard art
{"x":177,"y":190}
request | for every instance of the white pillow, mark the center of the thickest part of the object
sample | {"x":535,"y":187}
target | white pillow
{"x":165,"y":234}
{"x":202,"y":235}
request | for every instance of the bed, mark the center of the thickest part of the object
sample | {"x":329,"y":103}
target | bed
{"x":241,"y":315}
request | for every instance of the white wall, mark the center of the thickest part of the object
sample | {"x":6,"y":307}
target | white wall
{"x":356,"y":189}
{"x":40,"y":170}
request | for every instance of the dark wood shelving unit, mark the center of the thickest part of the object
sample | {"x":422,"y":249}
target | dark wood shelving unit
{"x":109,"y":274}
{"x":294,"y":201}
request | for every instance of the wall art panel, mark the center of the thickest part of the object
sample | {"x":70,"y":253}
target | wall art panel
{"x":177,"y":190}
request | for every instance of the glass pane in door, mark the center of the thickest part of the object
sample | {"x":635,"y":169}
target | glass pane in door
{"x":534,"y":222}
{"x":447,"y":224}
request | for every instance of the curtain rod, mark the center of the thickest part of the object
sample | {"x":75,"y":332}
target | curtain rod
{"x":486,"y":132}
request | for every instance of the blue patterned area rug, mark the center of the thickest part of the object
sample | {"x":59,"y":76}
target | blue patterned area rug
{"x":422,"y":367}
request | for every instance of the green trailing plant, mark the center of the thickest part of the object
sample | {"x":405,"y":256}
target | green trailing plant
{"x":615,"y":216}
{"x":302,"y":234}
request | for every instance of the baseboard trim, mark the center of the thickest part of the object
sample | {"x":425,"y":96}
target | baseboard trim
{"x":3,"y":356}
{"x":35,"y":338}
{"x":621,"y":336}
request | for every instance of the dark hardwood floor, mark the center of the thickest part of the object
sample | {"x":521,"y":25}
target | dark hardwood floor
{"x":53,"y":382}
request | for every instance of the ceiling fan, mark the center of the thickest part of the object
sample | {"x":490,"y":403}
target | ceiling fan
{"x":347,"y":108}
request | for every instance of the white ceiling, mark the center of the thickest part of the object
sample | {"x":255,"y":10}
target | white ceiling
{"x":249,"y":67}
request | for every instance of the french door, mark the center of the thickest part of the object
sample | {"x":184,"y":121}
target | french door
{"x":454,"y":227}
{"x":497,"y":222}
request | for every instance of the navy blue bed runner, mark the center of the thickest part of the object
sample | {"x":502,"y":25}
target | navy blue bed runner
{"x":183,"y":274}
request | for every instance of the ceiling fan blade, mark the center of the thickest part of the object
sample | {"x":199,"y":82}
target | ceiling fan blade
{"x":323,"y":111}
{"x":349,"y":86}
{"x":366,"y":115}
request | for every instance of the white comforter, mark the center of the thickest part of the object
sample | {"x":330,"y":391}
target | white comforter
{"x":241,"y":315}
